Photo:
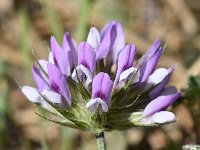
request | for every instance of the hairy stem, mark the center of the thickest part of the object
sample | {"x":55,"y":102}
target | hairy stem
{"x":101,"y":143}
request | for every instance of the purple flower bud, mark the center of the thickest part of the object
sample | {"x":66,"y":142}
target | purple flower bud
{"x":58,"y":82}
{"x":107,"y":41}
{"x":61,"y":57}
{"x":119,"y":42}
{"x":40,"y":79}
{"x":149,"y":65}
{"x":87,"y":56}
{"x":69,"y":46}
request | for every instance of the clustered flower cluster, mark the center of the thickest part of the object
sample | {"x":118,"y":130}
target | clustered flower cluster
{"x":100,"y":86}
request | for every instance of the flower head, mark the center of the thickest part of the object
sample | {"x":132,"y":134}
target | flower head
{"x":87,"y":94}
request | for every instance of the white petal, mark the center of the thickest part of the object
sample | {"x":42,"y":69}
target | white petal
{"x":50,"y":59}
{"x":52,"y":96}
{"x":126,"y":75}
{"x":43,"y":64}
{"x":163,"y":117}
{"x":32,"y":94}
{"x":82,"y":70}
{"x":129,"y":72}
{"x":104,"y":106}
{"x":158,"y":75}
{"x":94,"y":38}
{"x":92,"y":105}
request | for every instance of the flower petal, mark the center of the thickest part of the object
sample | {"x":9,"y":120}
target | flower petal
{"x":154,"y":48}
{"x":156,"y":91}
{"x":125,"y":61}
{"x":40,"y":79}
{"x":87,"y":56}
{"x":126,"y":75}
{"x":102,"y":87}
{"x":43,"y":64}
{"x":52,"y":96}
{"x":69,"y":46}
{"x":156,"y":77}
{"x":82,"y":71}
{"x":160,"y":103}
{"x":58,"y":82}
{"x":103,"y":106}
{"x":148,"y":67}
{"x":163,"y":117}
{"x":119,"y":42}
{"x":94,"y":38}
{"x":160,"y":118}
{"x":60,"y":57}
{"x":32,"y":94}
{"x":50,"y":58}
{"x":92,"y":105}
{"x":107,"y":41}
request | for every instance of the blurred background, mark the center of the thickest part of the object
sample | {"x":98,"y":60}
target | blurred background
{"x":28,"y":24}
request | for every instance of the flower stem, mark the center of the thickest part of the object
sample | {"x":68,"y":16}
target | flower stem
{"x":101,"y":143}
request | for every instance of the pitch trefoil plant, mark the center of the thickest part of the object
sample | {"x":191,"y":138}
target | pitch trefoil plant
{"x":99,"y":86}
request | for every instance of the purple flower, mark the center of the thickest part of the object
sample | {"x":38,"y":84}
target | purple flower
{"x":65,"y":56}
{"x":80,"y":84}
{"x":153,"y":111}
{"x":101,"y":93}
{"x":86,"y":63}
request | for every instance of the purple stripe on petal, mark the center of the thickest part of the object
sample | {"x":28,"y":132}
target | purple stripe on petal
{"x":58,"y":82}
{"x":107,"y":41}
{"x":60,"y":57}
{"x":148,"y":67}
{"x":102,"y":87}
{"x":160,"y":103}
{"x":69,"y":46}
{"x":40,"y":79}
{"x":125,"y":61}
{"x":87,"y":56}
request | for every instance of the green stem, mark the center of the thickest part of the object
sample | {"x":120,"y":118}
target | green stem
{"x":101,"y":143}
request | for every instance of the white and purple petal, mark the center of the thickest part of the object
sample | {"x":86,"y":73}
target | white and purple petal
{"x":148,"y":67}
{"x":83,"y":73}
{"x":125,"y":61}
{"x":93,"y":104}
{"x":102,"y":87}
{"x":156,"y":91}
